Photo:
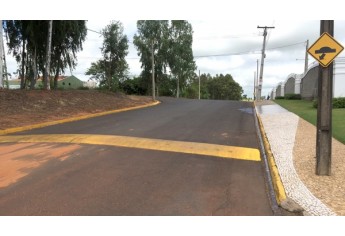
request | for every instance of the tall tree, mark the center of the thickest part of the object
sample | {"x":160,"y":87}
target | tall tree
{"x":68,"y":38}
{"x":113,"y":67}
{"x":27,"y":41}
{"x":151,"y":39}
{"x":180,"y":53}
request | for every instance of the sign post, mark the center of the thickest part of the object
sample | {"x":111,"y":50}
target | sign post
{"x":324,"y":50}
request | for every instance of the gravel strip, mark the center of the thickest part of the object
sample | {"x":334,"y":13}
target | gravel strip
{"x":281,"y":127}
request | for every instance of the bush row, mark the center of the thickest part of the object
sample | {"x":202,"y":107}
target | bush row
{"x":290,"y":96}
{"x":337,"y":103}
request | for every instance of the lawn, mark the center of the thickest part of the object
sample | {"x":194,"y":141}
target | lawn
{"x":305,"y":110}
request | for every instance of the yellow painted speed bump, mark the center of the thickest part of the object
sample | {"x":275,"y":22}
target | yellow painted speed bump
{"x":205,"y":149}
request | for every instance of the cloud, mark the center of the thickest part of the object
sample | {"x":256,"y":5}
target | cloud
{"x":285,"y":44}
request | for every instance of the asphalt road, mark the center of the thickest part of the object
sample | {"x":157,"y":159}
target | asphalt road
{"x":111,"y":180}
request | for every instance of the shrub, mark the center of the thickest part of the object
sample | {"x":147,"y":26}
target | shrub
{"x":315,"y":103}
{"x":279,"y":97}
{"x":339,"y":102}
{"x":292,"y":96}
{"x":336,"y":103}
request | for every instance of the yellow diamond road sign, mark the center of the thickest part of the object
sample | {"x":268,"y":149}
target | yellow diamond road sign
{"x":325,"y":49}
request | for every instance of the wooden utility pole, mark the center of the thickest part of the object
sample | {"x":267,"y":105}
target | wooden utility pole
{"x":256,"y":82}
{"x":153,"y":73}
{"x":254,"y":96}
{"x":306,"y":58}
{"x":199,"y":84}
{"x":48,"y":54}
{"x":263,"y":55}
{"x":324,"y":111}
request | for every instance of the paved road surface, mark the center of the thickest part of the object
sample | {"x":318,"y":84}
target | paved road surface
{"x":111,"y":180}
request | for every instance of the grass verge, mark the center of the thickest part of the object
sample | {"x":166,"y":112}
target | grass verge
{"x":305,"y":110}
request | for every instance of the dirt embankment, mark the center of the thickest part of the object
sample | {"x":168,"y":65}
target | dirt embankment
{"x":26,"y":107}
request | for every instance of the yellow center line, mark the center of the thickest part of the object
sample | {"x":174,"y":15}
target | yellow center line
{"x":205,"y":149}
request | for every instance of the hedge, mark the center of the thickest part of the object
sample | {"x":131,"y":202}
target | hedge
{"x":337,"y":103}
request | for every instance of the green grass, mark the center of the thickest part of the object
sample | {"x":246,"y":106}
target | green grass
{"x":305,"y":110}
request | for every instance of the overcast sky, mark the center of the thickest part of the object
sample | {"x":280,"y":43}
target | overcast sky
{"x":285,"y":49}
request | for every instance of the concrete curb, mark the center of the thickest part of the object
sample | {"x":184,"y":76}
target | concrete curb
{"x":41,"y":125}
{"x":276,"y":180}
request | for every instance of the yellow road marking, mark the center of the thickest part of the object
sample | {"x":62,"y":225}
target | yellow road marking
{"x":41,"y":125}
{"x":142,"y":143}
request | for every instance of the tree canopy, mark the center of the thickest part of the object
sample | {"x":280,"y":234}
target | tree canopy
{"x":113,"y":68}
{"x":27,"y":41}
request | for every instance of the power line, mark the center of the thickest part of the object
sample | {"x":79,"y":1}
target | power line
{"x":258,"y":51}
{"x":94,"y":31}
{"x":101,"y":33}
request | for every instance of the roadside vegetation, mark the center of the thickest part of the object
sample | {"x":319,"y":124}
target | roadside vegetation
{"x":306,"y":110}
{"x":164,"y":48}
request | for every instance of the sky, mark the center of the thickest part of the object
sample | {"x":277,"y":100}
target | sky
{"x":216,"y":40}
{"x":215,"y":43}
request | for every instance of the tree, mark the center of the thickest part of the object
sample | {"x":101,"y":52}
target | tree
{"x":151,"y":39}
{"x":113,"y":68}
{"x":180,"y":53}
{"x":224,"y":88}
{"x":27,"y":41}
{"x":68,"y":38}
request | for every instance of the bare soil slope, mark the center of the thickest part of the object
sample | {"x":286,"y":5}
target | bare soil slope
{"x":26,"y":107}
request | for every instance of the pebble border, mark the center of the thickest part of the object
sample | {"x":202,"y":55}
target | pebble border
{"x":280,"y":129}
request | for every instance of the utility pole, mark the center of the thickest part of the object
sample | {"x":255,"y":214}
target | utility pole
{"x":306,"y":57}
{"x":1,"y":58}
{"x":256,"y":83}
{"x":324,"y":111}
{"x":254,"y":96}
{"x":49,"y":44}
{"x":153,"y":73}
{"x":199,"y":84}
{"x":263,"y":57}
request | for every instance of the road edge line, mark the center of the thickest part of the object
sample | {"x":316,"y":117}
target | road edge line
{"x":45,"y":124}
{"x":278,"y":186}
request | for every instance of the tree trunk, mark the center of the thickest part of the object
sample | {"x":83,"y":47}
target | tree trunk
{"x":178,"y":87}
{"x":34,"y":68}
{"x":56,"y":76}
{"x":22,"y":79}
{"x":48,"y":52}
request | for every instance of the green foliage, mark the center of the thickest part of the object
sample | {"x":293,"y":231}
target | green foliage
{"x":133,"y":86}
{"x":336,"y":103}
{"x":27,"y":39}
{"x":292,"y":96}
{"x":171,"y":44}
{"x":339,"y":102}
{"x":224,"y":88}
{"x":279,"y":97}
{"x":113,"y":68}
{"x":315,"y":104}
{"x":151,"y":38}
{"x":180,"y":54}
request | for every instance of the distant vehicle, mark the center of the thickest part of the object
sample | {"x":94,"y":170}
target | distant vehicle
{"x":325,"y":50}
